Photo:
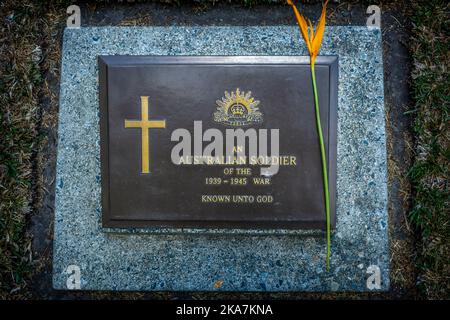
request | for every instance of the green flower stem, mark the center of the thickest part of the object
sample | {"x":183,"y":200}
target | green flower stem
{"x":324,"y":164}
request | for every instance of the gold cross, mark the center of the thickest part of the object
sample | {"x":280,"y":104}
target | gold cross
{"x":145,"y":124}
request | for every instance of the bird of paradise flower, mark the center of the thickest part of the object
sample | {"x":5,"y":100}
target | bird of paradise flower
{"x":313,"y":42}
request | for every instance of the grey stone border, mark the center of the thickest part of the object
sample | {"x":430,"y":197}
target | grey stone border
{"x":195,"y":260}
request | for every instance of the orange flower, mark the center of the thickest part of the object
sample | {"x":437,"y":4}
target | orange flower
{"x":313,"y":39}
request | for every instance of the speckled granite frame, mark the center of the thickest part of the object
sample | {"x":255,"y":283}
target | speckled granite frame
{"x":193,"y":260}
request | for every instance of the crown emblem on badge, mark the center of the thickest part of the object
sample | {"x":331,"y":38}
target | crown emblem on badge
{"x":238,"y":109}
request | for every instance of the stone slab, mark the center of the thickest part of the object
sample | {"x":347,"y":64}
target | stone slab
{"x":246,"y":260}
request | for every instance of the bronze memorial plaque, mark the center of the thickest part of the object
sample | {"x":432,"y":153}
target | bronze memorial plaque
{"x":214,"y":141}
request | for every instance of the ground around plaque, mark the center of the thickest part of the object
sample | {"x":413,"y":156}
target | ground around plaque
{"x":196,"y":261}
{"x":43,"y":48}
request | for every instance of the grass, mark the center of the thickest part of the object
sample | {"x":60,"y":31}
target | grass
{"x":19,"y":88}
{"x":430,"y":171}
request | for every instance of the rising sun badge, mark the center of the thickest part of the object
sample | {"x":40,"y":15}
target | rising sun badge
{"x":238,"y":109}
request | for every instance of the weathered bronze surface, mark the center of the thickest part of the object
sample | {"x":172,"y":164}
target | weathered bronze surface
{"x":147,"y":102}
